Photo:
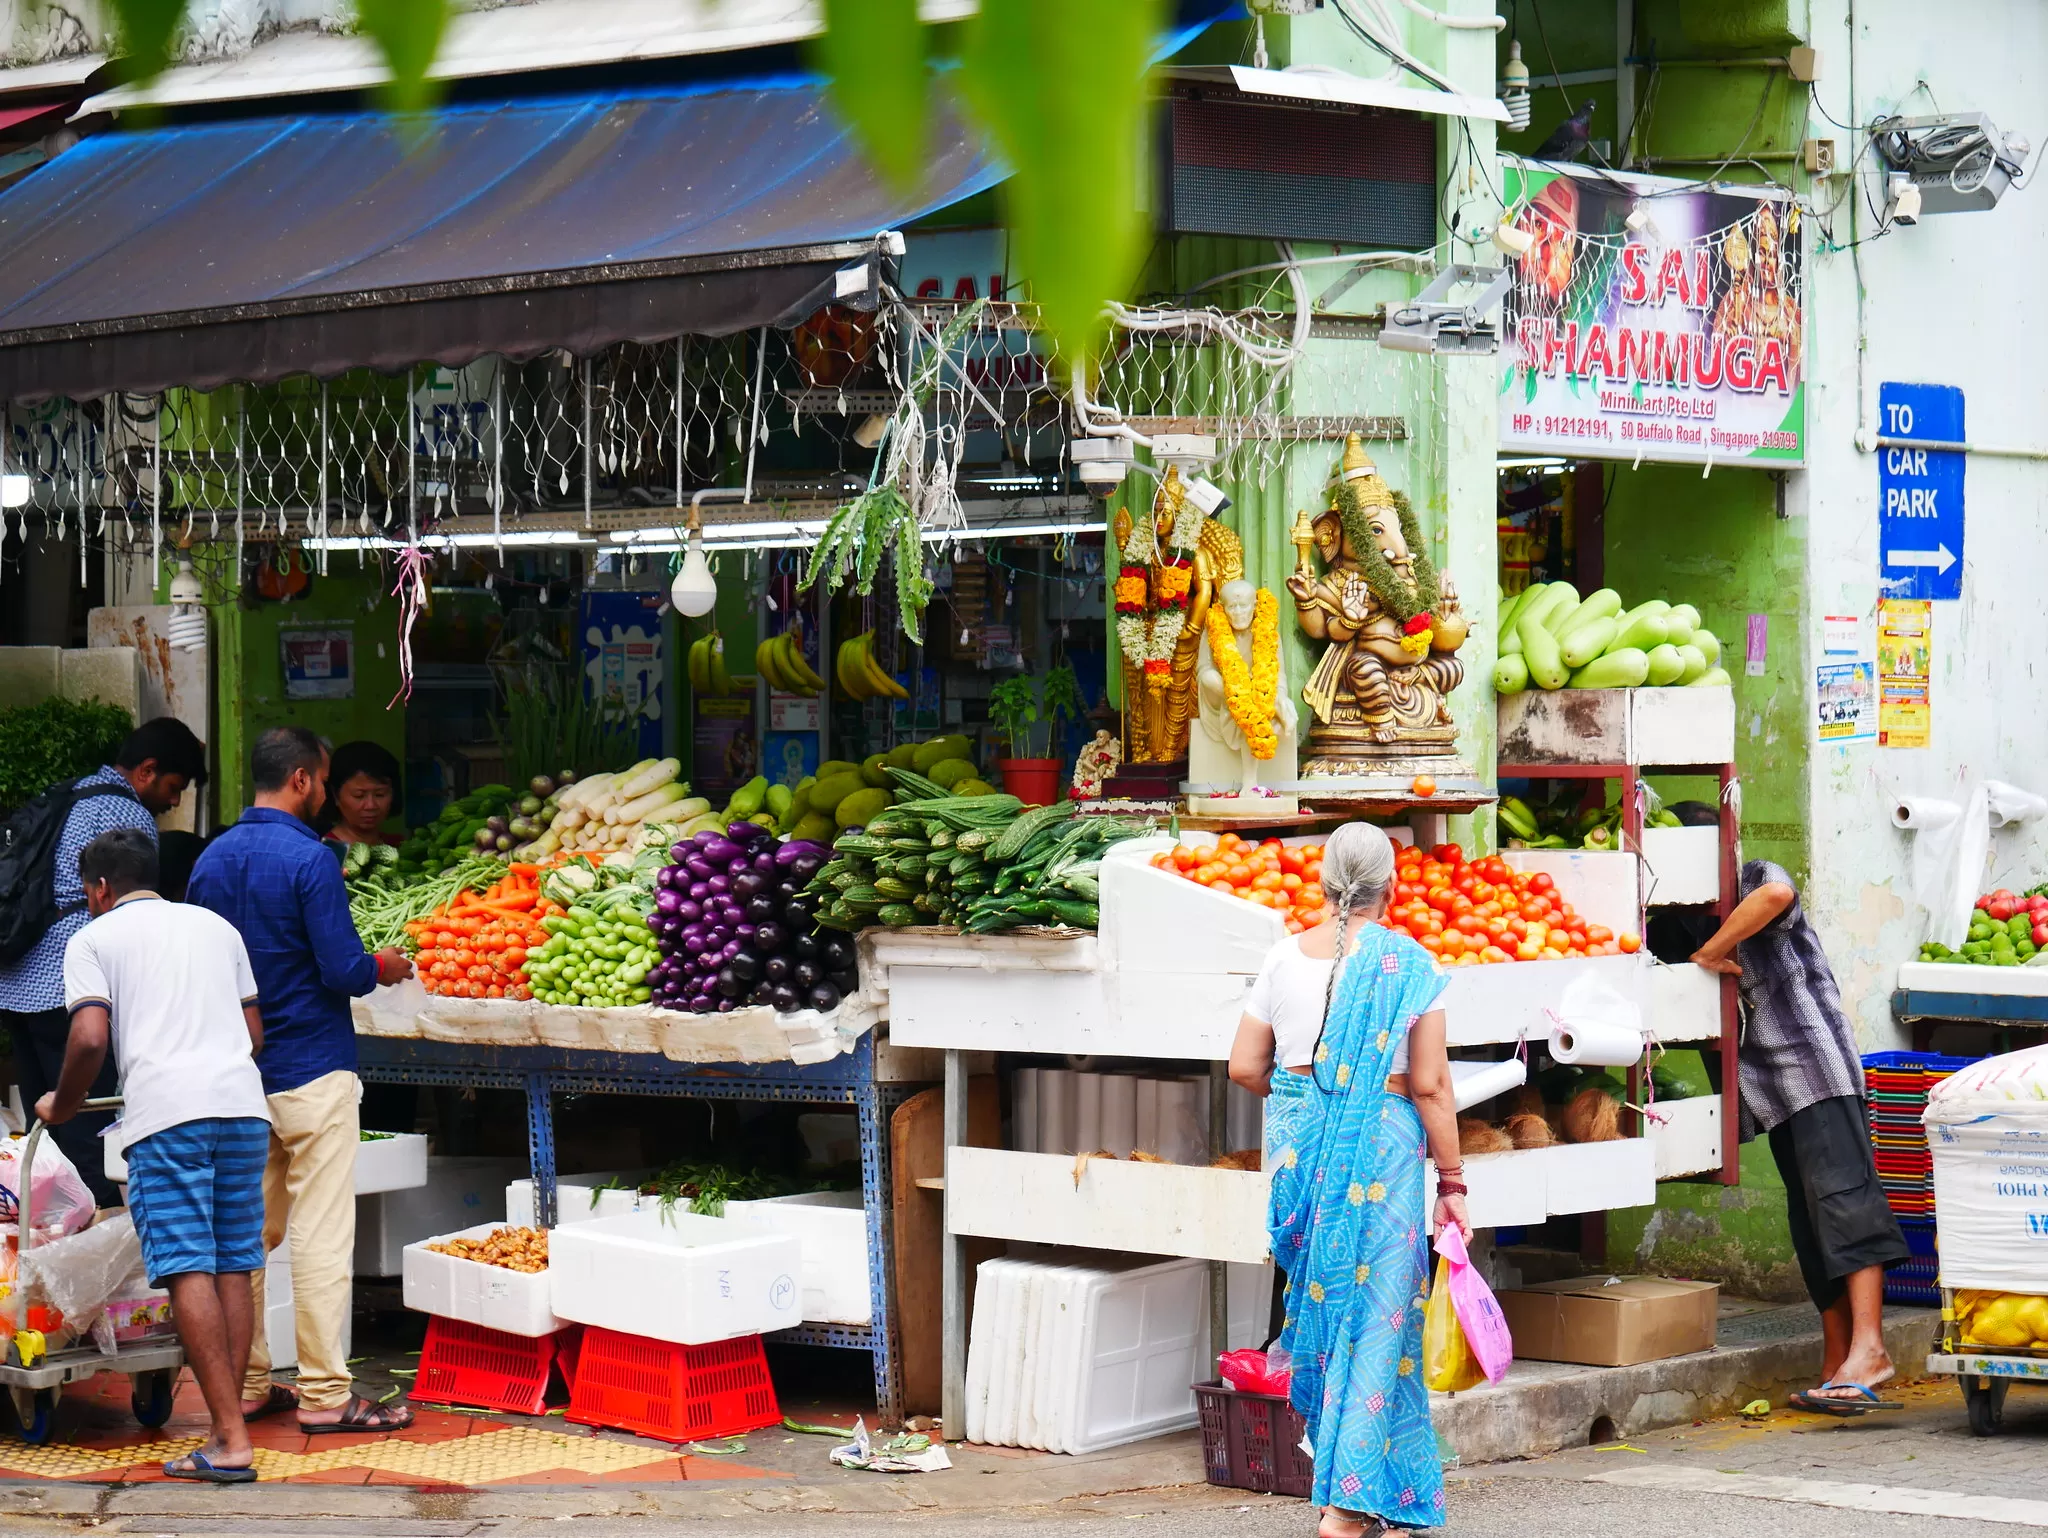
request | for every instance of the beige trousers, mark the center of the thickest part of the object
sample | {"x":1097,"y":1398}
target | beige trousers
{"x":309,"y":1195}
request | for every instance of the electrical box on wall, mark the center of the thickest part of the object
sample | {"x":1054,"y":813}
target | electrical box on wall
{"x":1282,"y":170}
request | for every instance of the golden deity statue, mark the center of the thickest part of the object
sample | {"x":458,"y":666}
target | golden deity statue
{"x":1393,"y":625}
{"x":1170,"y":568}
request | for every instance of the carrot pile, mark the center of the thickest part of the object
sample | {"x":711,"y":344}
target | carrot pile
{"x":475,"y":946}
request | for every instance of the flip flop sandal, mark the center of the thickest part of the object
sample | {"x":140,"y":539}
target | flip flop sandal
{"x":1866,"y":1396}
{"x":1816,"y":1403}
{"x":360,"y":1417}
{"x":203,"y":1470}
{"x":276,"y":1402}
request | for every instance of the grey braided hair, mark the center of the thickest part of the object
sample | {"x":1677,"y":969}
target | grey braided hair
{"x":1358,"y":867}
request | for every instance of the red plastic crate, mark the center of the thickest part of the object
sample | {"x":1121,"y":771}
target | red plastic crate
{"x":1253,"y":1442}
{"x":669,"y":1392}
{"x":467,"y":1364}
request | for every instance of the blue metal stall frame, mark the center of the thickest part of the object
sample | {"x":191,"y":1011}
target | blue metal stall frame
{"x":544,"y":1072}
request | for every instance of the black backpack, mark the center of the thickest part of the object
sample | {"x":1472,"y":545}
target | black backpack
{"x":28,"y":865}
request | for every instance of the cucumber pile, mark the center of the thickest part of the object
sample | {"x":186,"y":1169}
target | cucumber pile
{"x":978,"y":862}
{"x":1553,"y":639}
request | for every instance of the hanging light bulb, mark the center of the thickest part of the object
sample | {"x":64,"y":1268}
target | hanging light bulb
{"x":1514,"y":88}
{"x":187,"y":628}
{"x":694,"y":590}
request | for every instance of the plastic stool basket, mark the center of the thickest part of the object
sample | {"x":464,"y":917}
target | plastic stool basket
{"x":671,"y":1392}
{"x":1253,"y":1442}
{"x":467,"y":1364}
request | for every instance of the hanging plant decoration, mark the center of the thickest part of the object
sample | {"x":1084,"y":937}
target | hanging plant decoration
{"x":911,"y":490}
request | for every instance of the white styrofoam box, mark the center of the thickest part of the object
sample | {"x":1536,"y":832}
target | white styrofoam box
{"x":1961,"y":977}
{"x":1508,"y":1190}
{"x":578,"y":1198}
{"x":459,"y":1193}
{"x":517,"y":1302}
{"x":1598,"y":1177}
{"x":678,"y":1277}
{"x":1148,"y":916}
{"x":1601,"y":885}
{"x":1484,"y":1005}
{"x":280,"y":1328}
{"x":1682,"y":726}
{"x":397,"y":1161}
{"x":1152,"y":1209}
{"x":1618,"y":726}
{"x":1685,"y":1003}
{"x":1682,"y":865}
{"x":832,"y":1228}
{"x":1688,"y":1139}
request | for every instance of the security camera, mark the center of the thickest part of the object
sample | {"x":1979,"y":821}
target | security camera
{"x":1207,"y":495}
{"x":1902,"y":201}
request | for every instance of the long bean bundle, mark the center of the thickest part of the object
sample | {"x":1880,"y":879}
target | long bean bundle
{"x":381,"y":915}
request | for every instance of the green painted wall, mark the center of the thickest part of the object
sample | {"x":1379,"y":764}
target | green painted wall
{"x":1720,"y":545}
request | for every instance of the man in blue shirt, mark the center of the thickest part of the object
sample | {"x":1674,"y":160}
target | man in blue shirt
{"x":147,"y":777}
{"x":280,"y":885}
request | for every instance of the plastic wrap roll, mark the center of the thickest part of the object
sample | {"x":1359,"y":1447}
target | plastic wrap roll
{"x":1087,"y":1112}
{"x":1119,"y":1114}
{"x":1024,"y":1110}
{"x":2010,"y":804}
{"x":1474,"y":1082}
{"x":1181,"y":1140}
{"x":1058,"y":1106}
{"x":1595,"y":1043}
{"x":1921,"y":814}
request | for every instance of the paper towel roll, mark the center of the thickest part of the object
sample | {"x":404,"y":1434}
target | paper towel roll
{"x":1924,"y":813}
{"x":1595,"y":1043}
{"x":1474,"y":1082}
{"x":1146,"y":1138}
{"x":1119,"y":1114}
{"x":1181,"y":1139}
{"x":2009,"y":804}
{"x":1057,"y":1107}
{"x":1087,"y":1112}
{"x":1024,"y":1110}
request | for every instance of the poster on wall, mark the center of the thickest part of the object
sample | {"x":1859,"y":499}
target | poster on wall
{"x":1845,"y":695}
{"x":1905,"y":639}
{"x":723,"y":752}
{"x":622,"y":658}
{"x":1677,"y":338}
{"x":319,"y":664}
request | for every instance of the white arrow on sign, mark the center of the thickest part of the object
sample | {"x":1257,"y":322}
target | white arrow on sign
{"x":1941,"y":558}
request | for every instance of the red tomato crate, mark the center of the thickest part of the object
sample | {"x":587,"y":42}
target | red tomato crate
{"x":467,"y":1364}
{"x":1253,"y":1442}
{"x":670,"y":1392}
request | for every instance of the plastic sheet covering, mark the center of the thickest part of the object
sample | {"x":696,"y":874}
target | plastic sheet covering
{"x":80,"y":1274}
{"x":256,"y":249}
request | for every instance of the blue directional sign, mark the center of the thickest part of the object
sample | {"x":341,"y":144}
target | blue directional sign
{"x":1920,"y":491}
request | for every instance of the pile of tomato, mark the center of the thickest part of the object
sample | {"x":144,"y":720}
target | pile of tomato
{"x":1472,"y":912}
{"x":1284,"y":877}
{"x":1466,"y":912}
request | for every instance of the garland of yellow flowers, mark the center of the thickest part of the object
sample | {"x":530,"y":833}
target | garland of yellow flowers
{"x":1253,"y":693}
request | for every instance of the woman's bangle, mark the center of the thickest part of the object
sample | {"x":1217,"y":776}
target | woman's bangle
{"x":1451,"y":1188}
{"x":1454,"y":1171}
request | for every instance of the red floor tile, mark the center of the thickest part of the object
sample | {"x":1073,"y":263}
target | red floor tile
{"x":721,"y":1468}
{"x":332,"y":1477}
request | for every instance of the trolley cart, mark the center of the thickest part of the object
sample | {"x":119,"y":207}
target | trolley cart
{"x":35,"y":1377}
{"x":1985,"y":1375}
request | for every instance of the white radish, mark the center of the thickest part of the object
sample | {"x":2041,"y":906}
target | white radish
{"x":645,"y":779}
{"x":643,"y":807}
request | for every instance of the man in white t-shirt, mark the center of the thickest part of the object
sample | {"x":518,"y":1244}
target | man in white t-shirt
{"x":171,"y":988}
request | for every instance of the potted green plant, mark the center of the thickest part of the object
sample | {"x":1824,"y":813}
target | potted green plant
{"x":1013,"y":709}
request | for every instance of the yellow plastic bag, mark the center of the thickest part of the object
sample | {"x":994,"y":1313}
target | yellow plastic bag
{"x":1448,"y":1365}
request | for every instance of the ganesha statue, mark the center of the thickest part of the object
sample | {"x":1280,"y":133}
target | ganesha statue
{"x":1393,"y":626}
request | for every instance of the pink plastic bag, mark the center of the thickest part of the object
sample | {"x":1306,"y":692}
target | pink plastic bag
{"x":1251,"y":1371}
{"x":1479,"y":1315}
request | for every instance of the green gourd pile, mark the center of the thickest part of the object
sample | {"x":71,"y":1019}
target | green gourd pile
{"x":1550,"y":638}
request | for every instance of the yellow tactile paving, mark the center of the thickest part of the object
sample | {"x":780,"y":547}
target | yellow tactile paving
{"x":481,"y":1458}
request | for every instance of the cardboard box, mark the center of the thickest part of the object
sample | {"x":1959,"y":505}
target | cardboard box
{"x":1609,"y":1321}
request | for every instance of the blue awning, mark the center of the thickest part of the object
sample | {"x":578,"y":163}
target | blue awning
{"x":262,"y":248}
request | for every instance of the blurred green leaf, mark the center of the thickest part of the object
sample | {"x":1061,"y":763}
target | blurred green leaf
{"x":145,"y":28}
{"x":1060,"y":83}
{"x":872,"y":52}
{"x":409,"y":34}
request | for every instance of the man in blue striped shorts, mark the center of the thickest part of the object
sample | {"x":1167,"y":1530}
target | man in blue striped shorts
{"x":171,"y":988}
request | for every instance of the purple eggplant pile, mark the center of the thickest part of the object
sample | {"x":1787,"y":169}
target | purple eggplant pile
{"x":735,"y":926}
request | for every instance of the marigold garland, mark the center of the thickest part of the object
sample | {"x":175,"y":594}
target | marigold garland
{"x":1252,"y":694}
{"x":1150,"y":608}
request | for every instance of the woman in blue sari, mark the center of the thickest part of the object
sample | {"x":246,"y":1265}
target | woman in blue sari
{"x":1343,"y":1033}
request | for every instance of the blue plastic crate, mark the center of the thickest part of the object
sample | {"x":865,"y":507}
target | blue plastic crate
{"x":1919,"y":1238}
{"x":1925,"y":1062}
